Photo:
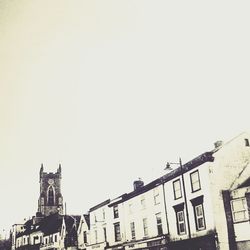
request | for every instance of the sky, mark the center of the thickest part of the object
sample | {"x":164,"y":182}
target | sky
{"x":113,"y":90}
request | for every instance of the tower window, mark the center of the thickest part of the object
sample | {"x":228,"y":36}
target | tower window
{"x":247,"y":143}
{"x":51,"y":196}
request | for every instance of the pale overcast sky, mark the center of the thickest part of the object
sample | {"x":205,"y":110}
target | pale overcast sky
{"x":113,"y":90}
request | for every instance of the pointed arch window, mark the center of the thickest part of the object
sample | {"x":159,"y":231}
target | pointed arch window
{"x":50,"y":196}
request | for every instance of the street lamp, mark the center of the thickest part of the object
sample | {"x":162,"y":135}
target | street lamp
{"x":168,"y":167}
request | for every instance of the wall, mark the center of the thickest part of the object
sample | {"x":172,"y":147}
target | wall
{"x":230,"y":161}
{"x":135,"y":212}
{"x":207,"y":204}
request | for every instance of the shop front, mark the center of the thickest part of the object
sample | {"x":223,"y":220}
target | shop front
{"x":158,"y":243}
{"x":207,"y":242}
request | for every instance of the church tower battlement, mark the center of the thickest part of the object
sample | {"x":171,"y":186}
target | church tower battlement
{"x":50,"y":200}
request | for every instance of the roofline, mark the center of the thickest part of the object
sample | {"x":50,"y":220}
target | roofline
{"x":99,"y":205}
{"x":199,"y":160}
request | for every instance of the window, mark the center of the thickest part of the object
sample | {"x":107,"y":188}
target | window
{"x":180,"y":222}
{"x":85,"y":237}
{"x":156,"y":196}
{"x":177,"y":189}
{"x":105,"y":233}
{"x":55,"y":238}
{"x":145,"y":227}
{"x":199,"y":212}
{"x":159,"y":223}
{"x":247,"y":143}
{"x":116,"y":212}
{"x":96,"y":236}
{"x":132,"y":228}
{"x":117,"y":232}
{"x":143,"y":202}
{"x":239,"y":210}
{"x":130,"y":208}
{"x":180,"y":218}
{"x":199,"y":217}
{"x":195,"y":181}
{"x":103,"y":214}
{"x":50,"y":196}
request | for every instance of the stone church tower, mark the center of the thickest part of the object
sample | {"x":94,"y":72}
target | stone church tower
{"x":50,"y":200}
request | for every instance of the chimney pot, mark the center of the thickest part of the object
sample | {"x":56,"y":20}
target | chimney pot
{"x":218,"y":144}
{"x":138,"y":184}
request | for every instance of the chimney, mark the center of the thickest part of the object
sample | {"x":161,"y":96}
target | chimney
{"x":138,"y":184}
{"x":218,"y":144}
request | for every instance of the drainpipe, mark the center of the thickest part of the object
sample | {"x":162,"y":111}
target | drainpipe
{"x":185,"y":199}
{"x":165,"y":206}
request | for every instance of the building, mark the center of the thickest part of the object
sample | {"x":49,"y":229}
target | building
{"x":100,"y":226}
{"x":187,"y":208}
{"x":237,"y":208}
{"x":203,"y":204}
{"x":141,"y":218}
{"x":52,"y":232}
{"x":83,"y":232}
{"x":50,"y":228}
{"x":50,"y":200}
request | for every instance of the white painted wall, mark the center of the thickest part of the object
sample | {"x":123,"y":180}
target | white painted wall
{"x":134,"y":212}
{"x":207,"y":205}
{"x":83,"y":227}
{"x":99,"y":219}
{"x":230,"y":161}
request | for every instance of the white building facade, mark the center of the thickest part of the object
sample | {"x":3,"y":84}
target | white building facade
{"x":203,"y":204}
{"x":184,"y":209}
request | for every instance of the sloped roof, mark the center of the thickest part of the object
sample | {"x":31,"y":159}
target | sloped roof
{"x":72,"y":222}
{"x":51,"y":224}
{"x":28,"y":228}
{"x":99,"y":205}
{"x":246,"y":183}
{"x":86,"y":217}
{"x":197,"y":161}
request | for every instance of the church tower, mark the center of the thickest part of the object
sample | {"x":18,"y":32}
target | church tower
{"x":50,"y":200}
